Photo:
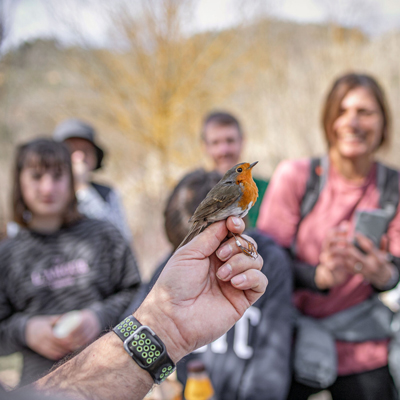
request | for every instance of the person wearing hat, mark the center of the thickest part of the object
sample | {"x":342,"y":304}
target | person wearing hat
{"x":94,"y":200}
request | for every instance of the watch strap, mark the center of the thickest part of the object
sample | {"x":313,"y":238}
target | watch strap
{"x":145,"y":348}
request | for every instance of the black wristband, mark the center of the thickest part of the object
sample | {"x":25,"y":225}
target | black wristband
{"x":145,"y":348}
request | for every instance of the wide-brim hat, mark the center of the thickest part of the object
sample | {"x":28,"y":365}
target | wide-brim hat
{"x":75,"y":128}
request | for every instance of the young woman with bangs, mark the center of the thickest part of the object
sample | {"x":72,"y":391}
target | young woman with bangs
{"x":59,"y":261}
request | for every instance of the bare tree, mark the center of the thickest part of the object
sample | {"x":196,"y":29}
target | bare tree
{"x":157,"y":82}
{"x":149,"y":89}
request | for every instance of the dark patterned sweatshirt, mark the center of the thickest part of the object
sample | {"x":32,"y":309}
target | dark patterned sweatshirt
{"x":87,"y":265}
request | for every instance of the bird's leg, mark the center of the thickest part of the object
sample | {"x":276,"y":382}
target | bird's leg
{"x":250,"y":250}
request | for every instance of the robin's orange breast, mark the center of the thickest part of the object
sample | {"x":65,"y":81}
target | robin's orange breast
{"x":250,"y":190}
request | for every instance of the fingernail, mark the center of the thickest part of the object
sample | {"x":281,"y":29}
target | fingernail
{"x":238,"y":279}
{"x":225,"y":252}
{"x":236,"y":221}
{"x":224,"y":271}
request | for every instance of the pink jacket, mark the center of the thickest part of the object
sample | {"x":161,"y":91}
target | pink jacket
{"x":279,"y":217}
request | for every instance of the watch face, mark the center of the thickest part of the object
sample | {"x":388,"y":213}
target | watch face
{"x":145,"y":347}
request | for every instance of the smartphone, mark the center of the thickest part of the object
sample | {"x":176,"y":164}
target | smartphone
{"x":372,"y":224}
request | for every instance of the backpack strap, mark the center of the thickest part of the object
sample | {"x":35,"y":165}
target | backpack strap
{"x":316,"y":181}
{"x":319,"y":168}
{"x":387,"y":182}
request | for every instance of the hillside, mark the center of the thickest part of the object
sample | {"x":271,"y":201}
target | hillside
{"x":147,"y":100}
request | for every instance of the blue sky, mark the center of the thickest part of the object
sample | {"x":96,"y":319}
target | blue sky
{"x":36,"y":18}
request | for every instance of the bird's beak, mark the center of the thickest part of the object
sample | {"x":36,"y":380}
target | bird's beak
{"x":252,"y":165}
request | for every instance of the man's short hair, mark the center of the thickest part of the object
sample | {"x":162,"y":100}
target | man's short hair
{"x":184,"y":200}
{"x":220,"y":118}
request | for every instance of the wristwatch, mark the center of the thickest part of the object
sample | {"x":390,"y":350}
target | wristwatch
{"x":146,"y":348}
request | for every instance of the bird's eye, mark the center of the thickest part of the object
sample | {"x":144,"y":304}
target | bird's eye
{"x":239,"y":170}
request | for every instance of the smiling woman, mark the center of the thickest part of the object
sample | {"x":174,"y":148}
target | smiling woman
{"x":356,"y":124}
{"x":332,"y":275}
{"x":359,"y":126}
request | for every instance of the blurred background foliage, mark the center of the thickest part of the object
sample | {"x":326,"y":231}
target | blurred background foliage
{"x":147,"y":90}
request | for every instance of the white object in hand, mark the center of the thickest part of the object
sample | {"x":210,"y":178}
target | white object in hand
{"x":66,"y":324}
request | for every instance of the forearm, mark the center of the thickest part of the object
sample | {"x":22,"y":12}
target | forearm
{"x":102,"y":371}
{"x":304,"y":276}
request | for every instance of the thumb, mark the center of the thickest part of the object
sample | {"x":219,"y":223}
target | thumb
{"x":209,"y":240}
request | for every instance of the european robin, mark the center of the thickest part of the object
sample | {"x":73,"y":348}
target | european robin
{"x":233,"y":195}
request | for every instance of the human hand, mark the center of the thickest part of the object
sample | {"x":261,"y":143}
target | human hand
{"x":200,"y":295}
{"x":80,"y":170}
{"x":87,"y":330}
{"x":373,"y":264}
{"x":188,"y":307}
{"x":332,"y":271}
{"x":39,"y":337}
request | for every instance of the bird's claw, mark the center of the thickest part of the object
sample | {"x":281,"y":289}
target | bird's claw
{"x":250,"y":250}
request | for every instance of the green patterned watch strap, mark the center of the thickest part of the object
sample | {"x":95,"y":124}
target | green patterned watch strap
{"x":145,"y":348}
{"x":126,"y":327}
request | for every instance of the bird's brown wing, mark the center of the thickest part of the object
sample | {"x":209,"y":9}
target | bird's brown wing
{"x":217,"y":198}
